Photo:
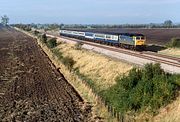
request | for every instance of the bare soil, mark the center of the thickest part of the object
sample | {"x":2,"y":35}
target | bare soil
{"x":31,"y":88}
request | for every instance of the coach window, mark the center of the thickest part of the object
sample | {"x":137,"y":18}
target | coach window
{"x":108,"y":36}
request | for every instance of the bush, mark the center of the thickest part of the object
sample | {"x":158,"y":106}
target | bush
{"x":175,"y":42}
{"x":68,"y":61}
{"x":36,"y":33}
{"x":44,"y":38}
{"x":148,"y":88}
{"x":57,"y":53}
{"x":52,"y":43}
{"x":78,"y":46}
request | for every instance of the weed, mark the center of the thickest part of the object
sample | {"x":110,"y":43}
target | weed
{"x":78,"y":46}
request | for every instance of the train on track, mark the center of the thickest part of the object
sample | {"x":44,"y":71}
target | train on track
{"x":132,"y":41}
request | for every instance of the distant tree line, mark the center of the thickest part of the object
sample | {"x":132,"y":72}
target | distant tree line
{"x":166,"y":24}
{"x":46,"y":27}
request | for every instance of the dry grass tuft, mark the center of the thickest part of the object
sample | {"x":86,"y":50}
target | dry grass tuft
{"x":97,"y":67}
{"x":170,"y":113}
{"x":171,"y":51}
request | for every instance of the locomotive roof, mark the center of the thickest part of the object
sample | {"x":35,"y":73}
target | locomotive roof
{"x":105,"y":32}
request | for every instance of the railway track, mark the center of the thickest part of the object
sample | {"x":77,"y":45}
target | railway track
{"x":151,"y":56}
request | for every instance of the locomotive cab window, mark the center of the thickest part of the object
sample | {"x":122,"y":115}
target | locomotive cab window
{"x":138,"y":38}
{"x":142,"y":37}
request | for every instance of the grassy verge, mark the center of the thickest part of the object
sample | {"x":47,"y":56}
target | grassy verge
{"x":154,"y":88}
{"x":99,"y":68}
{"x":77,"y":80}
{"x":175,"y":43}
{"x":139,"y":91}
{"x":173,"y":48}
{"x":171,"y":52}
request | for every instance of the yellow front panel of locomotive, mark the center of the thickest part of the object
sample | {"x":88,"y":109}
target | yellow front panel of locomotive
{"x":140,"y":42}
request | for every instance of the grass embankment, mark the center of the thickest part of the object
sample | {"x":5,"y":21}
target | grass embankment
{"x":171,"y":52}
{"x":97,"y":70}
{"x":100,"y":70}
{"x":142,"y":90}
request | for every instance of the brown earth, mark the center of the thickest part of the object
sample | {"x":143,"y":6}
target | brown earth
{"x":154,"y":36}
{"x":31,"y":88}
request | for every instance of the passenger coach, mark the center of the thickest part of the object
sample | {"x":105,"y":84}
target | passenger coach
{"x":125,"y":40}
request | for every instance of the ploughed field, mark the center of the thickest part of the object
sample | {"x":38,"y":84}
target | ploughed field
{"x":154,"y":36}
{"x":31,"y":89}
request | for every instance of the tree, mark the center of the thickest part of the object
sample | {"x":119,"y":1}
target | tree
{"x":4,"y":20}
{"x":168,"y":23}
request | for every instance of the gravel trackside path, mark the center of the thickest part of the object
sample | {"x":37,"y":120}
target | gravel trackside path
{"x":31,"y":89}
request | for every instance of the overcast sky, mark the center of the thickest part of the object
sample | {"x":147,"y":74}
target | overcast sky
{"x":91,"y":11}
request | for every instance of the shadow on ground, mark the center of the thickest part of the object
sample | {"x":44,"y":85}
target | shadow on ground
{"x":155,"y":48}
